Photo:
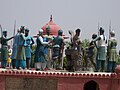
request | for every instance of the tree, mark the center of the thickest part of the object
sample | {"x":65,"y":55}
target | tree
{"x":85,"y":43}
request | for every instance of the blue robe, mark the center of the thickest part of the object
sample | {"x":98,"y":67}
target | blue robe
{"x":15,"y":46}
{"x":21,"y":58}
{"x":39,"y":52}
{"x":27,"y":45}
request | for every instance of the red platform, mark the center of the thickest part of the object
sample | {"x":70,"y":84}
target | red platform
{"x":56,"y":80}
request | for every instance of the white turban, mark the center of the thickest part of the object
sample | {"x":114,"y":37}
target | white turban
{"x":41,"y":30}
{"x":112,"y":32}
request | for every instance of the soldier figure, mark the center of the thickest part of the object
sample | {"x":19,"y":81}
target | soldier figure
{"x":101,"y":54}
{"x":77,"y":55}
{"x":21,"y":58}
{"x":91,"y":54}
{"x":112,"y":43}
{"x":58,"y":43}
{"x":47,"y":49}
{"x":28,"y":44}
{"x":14,"y":50}
{"x":40,"y":60}
{"x":4,"y":48}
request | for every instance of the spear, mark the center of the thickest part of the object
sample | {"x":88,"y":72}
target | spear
{"x":109,"y":28}
{"x":14,"y":27}
{"x":98,"y":28}
{"x":98,"y":33}
{"x":108,"y":47}
{"x":14,"y":31}
{"x":1,"y":29}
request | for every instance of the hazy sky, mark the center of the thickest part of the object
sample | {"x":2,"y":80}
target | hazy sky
{"x":68,"y":14}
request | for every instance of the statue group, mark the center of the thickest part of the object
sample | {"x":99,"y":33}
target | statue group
{"x":48,"y":51}
{"x":95,"y":56}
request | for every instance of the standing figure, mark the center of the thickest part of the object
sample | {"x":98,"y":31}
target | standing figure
{"x":58,"y":43}
{"x":101,"y":54}
{"x":40,"y":60}
{"x":47,"y":49}
{"x":21,"y":58}
{"x":4,"y":48}
{"x":91,"y":54}
{"x":14,"y":50}
{"x":28,"y":44}
{"x":77,"y":53}
{"x":112,"y":43}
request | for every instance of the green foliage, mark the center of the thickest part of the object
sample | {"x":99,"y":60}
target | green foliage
{"x":68,"y":45}
{"x":85,"y":43}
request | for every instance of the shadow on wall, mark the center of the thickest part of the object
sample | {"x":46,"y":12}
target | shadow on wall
{"x":91,"y":85}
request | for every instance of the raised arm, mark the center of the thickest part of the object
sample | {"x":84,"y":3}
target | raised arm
{"x":41,"y":40}
{"x":97,"y":38}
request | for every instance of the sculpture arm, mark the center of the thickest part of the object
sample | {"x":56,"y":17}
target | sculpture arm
{"x":41,"y":40}
{"x":32,"y":41}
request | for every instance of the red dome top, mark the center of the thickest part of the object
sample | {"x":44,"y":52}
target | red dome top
{"x":53,"y":27}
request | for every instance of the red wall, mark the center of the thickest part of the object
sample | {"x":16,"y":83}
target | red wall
{"x":65,"y":81}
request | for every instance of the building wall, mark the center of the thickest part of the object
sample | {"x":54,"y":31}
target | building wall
{"x":25,"y":80}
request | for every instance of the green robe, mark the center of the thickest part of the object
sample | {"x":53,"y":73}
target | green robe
{"x":112,"y":43}
{"x":4,"y":47}
{"x":4,"y":50}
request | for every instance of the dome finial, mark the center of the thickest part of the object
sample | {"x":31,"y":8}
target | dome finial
{"x":50,"y":17}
